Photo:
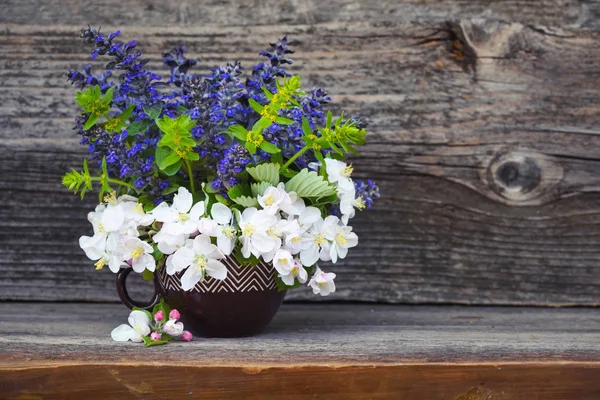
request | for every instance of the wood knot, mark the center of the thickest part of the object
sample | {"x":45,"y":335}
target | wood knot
{"x":523,"y":178}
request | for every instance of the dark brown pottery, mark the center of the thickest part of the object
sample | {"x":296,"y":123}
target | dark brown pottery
{"x":241,"y":305}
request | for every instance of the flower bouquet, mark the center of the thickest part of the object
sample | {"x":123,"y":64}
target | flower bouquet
{"x":225,"y":192}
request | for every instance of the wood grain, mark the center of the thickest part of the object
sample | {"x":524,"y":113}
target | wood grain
{"x":64,"y":351}
{"x":483,"y":136}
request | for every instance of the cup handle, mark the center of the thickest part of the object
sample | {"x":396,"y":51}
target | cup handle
{"x":124,"y":295}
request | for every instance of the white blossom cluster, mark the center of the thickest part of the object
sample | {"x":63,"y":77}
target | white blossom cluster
{"x":282,"y":231}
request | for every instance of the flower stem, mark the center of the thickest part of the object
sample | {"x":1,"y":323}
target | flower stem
{"x":115,"y":181}
{"x":190,"y":174}
{"x":294,"y":157}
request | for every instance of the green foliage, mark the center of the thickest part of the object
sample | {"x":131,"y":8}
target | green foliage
{"x":258,"y":189}
{"x":242,"y":194}
{"x":154,"y":110}
{"x":76,"y":180}
{"x":165,"y":338}
{"x":308,"y":184}
{"x":245,"y":262}
{"x":93,"y":102}
{"x":176,"y":143}
{"x":148,"y":275}
{"x":118,"y":122}
{"x":265,"y":173}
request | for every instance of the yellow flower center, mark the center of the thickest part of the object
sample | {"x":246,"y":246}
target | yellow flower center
{"x":100,"y":264}
{"x":200,"y":262}
{"x":255,"y":138}
{"x":100,"y":227}
{"x":139,"y":209}
{"x":249,"y":230}
{"x":229,"y":232}
{"x":269,"y":201}
{"x":137,"y":252}
{"x":340,"y":239}
{"x":320,"y":239}
{"x":183,"y":217}
{"x":348,"y":170}
{"x":110,"y":197}
{"x":360,"y":203}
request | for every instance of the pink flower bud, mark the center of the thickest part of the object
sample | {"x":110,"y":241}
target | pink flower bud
{"x":155,"y":336}
{"x":174,"y":314}
{"x":159,"y":316}
{"x":186,"y":336}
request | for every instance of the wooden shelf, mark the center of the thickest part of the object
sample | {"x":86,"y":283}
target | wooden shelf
{"x":317,"y":351}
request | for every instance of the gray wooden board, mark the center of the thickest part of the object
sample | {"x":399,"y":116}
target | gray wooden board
{"x":484,"y":138}
{"x":312,"y":334}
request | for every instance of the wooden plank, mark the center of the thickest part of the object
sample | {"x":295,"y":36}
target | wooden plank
{"x":483,"y":138}
{"x":60,"y":351}
{"x":577,"y":13}
{"x":408,"y":382}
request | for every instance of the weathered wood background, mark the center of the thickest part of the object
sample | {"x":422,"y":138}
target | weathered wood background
{"x":484,"y":137}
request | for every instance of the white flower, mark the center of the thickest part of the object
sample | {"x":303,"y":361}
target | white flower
{"x":276,"y":198}
{"x":283,"y":262}
{"x":103,"y":249}
{"x":180,"y":218}
{"x":309,"y":216}
{"x":337,"y":170}
{"x":200,"y":257}
{"x":322,"y":282}
{"x":220,"y":226}
{"x":134,"y":211}
{"x":139,"y":326}
{"x":288,"y":268}
{"x":293,"y":235}
{"x":342,"y":238}
{"x":173,"y":328}
{"x":315,"y":245}
{"x":140,"y":254}
{"x":168,"y":244}
{"x":270,"y":200}
{"x":253,"y":226}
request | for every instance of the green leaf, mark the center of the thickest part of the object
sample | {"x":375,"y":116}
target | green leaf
{"x":251,"y":147}
{"x":148,"y":275}
{"x":262,"y":123}
{"x":90,"y":122}
{"x":284,"y":121}
{"x":308,"y":184}
{"x":154,"y":110}
{"x":255,"y":105}
{"x":149,"y":342}
{"x":165,"y":157}
{"x":239,"y":190}
{"x":306,"y":126}
{"x":258,"y":189}
{"x":239,"y":132}
{"x":265,"y":173}
{"x":246,"y":201}
{"x":172,"y":169}
{"x":138,"y":127}
{"x":108,"y":96}
{"x":162,"y":306}
{"x":328,"y":120}
{"x":192,"y":156}
{"x":269,"y":147}
{"x":222,"y":199}
{"x":268,"y":94}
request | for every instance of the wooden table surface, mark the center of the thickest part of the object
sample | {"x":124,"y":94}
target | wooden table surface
{"x":335,"y":351}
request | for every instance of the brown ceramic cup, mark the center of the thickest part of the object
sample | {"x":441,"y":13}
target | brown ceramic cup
{"x":241,"y":305}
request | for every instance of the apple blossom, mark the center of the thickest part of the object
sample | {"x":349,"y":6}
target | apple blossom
{"x":322,"y":282}
{"x":173,"y":328}
{"x":200,"y":257}
{"x":140,"y":254}
{"x":181,"y":217}
{"x":139,"y":326}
